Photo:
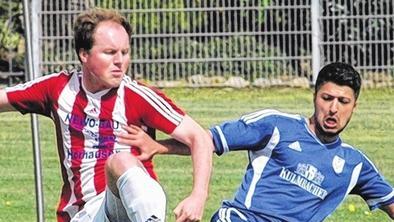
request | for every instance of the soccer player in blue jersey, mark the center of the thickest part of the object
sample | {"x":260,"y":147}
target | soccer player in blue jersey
{"x":299,"y":168}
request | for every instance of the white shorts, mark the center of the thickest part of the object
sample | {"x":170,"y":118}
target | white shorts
{"x":105,"y":207}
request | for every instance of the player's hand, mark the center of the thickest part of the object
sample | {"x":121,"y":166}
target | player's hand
{"x":137,"y":137}
{"x":190,"y":209}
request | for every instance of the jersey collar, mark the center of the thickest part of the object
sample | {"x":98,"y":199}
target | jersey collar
{"x":330,"y":145}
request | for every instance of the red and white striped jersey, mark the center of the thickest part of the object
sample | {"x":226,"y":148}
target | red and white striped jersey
{"x":85,"y":124}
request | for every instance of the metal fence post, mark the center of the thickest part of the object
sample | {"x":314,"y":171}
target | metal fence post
{"x":34,"y":118}
{"x":35,"y":20}
{"x":316,"y":38}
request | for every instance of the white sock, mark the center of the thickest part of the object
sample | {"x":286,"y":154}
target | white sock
{"x":142,"y":197}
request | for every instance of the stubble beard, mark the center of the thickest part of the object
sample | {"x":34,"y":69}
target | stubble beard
{"x":324,"y":135}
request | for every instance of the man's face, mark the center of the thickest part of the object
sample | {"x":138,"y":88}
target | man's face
{"x":334,"y":105}
{"x":105,"y":64}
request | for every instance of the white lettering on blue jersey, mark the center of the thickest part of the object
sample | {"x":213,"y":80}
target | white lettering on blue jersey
{"x":303,"y":183}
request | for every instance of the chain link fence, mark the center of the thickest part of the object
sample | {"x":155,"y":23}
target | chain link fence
{"x":234,"y":43}
{"x":362,"y":34}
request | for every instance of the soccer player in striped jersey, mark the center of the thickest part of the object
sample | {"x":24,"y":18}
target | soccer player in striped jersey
{"x":299,"y":168}
{"x":102,"y":178}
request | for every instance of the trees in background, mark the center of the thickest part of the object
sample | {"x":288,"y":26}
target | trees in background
{"x":11,"y":37}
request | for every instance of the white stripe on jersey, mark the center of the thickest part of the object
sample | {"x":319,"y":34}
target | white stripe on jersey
{"x":119,"y":114}
{"x":369,"y":161}
{"x":223,"y":139}
{"x":354,"y":178}
{"x":259,"y":160}
{"x":373,"y":202}
{"x":66,"y":101}
{"x":157,"y":102}
{"x":90,"y":140}
{"x":253,"y":117}
{"x":30,"y":83}
{"x":166,"y":106}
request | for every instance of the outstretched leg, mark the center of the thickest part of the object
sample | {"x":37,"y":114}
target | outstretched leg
{"x":142,"y":197}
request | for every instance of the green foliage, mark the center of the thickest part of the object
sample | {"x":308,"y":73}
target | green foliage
{"x":10,"y":24}
{"x":11,"y":33}
{"x":170,"y":19}
{"x":367,"y":131}
{"x":215,"y":56}
{"x":8,"y":38}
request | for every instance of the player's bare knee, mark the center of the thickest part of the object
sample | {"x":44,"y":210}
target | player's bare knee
{"x":116,"y":165}
{"x":119,"y":163}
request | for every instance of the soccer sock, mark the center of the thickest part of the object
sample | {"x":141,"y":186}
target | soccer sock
{"x":142,"y":197}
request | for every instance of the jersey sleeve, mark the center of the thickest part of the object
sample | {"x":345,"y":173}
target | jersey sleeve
{"x":372,"y":186}
{"x":32,"y":96}
{"x":155,"y":109}
{"x":243,"y":134}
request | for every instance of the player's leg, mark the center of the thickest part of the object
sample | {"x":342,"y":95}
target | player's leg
{"x":228,"y":214}
{"x":111,"y":209}
{"x":142,"y":197}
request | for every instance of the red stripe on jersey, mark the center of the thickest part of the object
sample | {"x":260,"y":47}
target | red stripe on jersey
{"x":61,"y":97}
{"x":140,"y":112}
{"x":106,"y":138}
{"x":152,"y":108}
{"x":62,"y":216}
{"x":134,"y":117}
{"x":35,"y":96}
{"x":77,"y":144}
{"x":41,"y":96}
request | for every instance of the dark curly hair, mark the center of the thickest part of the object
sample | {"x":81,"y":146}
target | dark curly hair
{"x":341,"y":74}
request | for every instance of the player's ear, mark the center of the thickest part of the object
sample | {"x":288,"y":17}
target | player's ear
{"x":355,"y":102}
{"x":314,"y":97}
{"x":83,"y":55}
{"x":355,"y":106}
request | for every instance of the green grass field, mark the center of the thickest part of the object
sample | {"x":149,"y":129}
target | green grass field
{"x":371,"y":130}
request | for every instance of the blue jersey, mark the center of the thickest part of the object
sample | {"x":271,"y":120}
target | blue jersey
{"x":292,"y":175}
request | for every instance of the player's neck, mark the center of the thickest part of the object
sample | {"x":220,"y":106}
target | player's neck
{"x":91,"y":85}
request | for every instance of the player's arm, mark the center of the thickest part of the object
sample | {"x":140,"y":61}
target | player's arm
{"x":189,"y":138}
{"x":173,"y":146}
{"x":4,"y":104}
{"x":389,"y":209}
{"x":373,"y":188}
{"x":201,"y":146}
{"x":137,"y":137}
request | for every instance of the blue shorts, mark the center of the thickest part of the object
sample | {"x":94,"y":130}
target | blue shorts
{"x":228,"y":214}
